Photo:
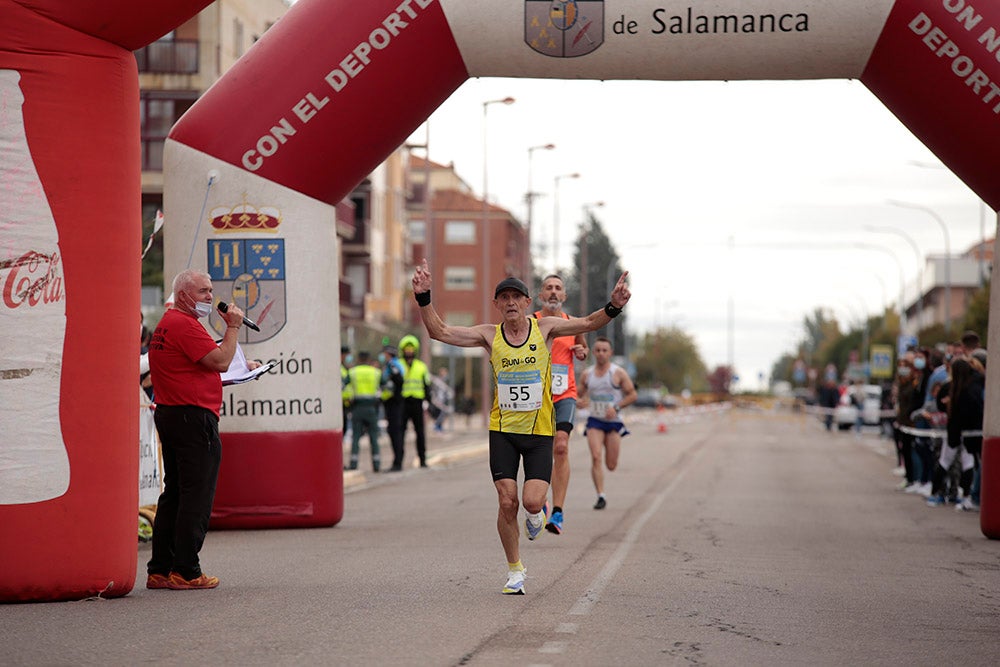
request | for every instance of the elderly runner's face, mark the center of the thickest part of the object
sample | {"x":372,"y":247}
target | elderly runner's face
{"x":510,"y":301}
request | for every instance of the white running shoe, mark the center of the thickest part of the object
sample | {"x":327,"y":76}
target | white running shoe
{"x":534,"y":523}
{"x":515,"y":582}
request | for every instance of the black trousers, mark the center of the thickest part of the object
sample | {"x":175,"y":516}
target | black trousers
{"x":192,"y":452}
{"x":413,"y":411}
{"x":394,"y":425}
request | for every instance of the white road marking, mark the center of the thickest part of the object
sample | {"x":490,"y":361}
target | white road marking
{"x":586,"y":602}
{"x":554,"y":647}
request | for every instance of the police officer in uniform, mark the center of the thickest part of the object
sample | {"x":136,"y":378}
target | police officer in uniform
{"x":363,"y":392}
{"x":416,"y":388}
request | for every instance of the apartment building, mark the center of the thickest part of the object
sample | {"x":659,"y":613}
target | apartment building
{"x":178,"y":68}
{"x":958,"y":276}
{"x":471,"y":245}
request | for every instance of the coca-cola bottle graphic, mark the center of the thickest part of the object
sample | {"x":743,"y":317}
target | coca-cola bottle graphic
{"x":33,"y":461}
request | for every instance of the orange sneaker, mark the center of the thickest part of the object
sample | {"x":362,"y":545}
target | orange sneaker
{"x":156,"y":581}
{"x":178,"y":583}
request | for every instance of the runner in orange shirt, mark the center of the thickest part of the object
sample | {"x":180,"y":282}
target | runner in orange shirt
{"x":565,"y":350}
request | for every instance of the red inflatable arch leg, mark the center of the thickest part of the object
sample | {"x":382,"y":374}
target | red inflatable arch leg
{"x":69,"y":262}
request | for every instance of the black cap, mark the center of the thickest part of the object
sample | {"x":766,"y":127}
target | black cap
{"x":513,"y":283}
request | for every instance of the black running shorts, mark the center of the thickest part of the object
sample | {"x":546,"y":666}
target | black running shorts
{"x":507,"y":450}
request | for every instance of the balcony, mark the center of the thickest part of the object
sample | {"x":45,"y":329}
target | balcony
{"x":168,"y":56}
{"x":345,"y":214}
{"x":350,"y":311}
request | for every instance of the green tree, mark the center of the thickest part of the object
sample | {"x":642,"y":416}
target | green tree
{"x":595,"y":257}
{"x":977,"y":315}
{"x":670,"y":357}
{"x":821,"y":336}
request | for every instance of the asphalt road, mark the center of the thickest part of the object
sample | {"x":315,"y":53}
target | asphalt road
{"x":734,"y":539}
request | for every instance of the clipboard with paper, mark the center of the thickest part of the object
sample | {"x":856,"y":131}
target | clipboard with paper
{"x":239,"y":372}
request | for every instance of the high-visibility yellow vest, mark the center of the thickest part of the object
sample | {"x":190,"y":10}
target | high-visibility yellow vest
{"x":414,"y":379}
{"x":363,"y":383}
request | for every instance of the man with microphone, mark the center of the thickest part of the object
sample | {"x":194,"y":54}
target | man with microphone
{"x":185,"y":363}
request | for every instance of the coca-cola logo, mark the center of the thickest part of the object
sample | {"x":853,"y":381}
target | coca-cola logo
{"x":32,"y":279}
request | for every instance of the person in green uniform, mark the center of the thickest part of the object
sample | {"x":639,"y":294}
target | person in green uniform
{"x":522,"y":421}
{"x":363,"y":392}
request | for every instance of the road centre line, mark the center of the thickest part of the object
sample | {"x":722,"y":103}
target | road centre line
{"x":586,"y":602}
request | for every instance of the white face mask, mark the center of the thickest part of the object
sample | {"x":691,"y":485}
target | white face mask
{"x":202,"y":309}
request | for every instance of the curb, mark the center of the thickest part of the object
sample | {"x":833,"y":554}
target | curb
{"x":356,"y":479}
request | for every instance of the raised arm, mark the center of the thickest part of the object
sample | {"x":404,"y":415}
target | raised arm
{"x":553,"y":327}
{"x":480,"y":335}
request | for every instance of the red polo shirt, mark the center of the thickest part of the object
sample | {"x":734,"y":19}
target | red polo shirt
{"x":178,"y":344}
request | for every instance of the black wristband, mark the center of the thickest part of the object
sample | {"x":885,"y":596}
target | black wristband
{"x":611,"y":311}
{"x":423,"y":298}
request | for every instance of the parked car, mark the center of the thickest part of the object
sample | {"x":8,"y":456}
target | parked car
{"x":845,"y":415}
{"x":648,"y":398}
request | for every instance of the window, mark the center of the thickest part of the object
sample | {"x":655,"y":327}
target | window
{"x":460,"y":231}
{"x":417,"y":231}
{"x":169,"y":55}
{"x":460,"y":277}
{"x":461,"y":318}
{"x":158,"y":111}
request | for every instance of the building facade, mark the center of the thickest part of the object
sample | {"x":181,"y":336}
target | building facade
{"x":960,"y":276}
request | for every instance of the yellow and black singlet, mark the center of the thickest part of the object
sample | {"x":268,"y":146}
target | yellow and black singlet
{"x":522,"y":377}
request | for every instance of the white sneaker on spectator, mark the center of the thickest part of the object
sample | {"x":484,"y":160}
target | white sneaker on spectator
{"x":915,"y":487}
{"x":899,"y":472}
{"x":925,"y":490}
{"x":967,"y":505}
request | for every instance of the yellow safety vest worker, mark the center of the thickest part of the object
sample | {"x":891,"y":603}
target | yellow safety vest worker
{"x":363,"y":383}
{"x":415,"y":379}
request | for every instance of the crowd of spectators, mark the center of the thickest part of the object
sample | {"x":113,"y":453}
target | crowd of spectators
{"x":938,"y":396}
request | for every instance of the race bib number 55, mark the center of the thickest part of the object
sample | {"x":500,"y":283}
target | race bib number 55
{"x":520,"y":391}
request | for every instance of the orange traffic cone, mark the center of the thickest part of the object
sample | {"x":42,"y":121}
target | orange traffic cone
{"x":661,"y":419}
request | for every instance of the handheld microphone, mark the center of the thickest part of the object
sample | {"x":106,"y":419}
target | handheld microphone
{"x":224,"y":308}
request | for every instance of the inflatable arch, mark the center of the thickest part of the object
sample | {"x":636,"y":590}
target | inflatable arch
{"x":253,"y":173}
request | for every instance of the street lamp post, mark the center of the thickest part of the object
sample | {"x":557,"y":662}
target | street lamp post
{"x":947,"y":256}
{"x":899,"y":265}
{"x":530,"y":199}
{"x":555,"y":219}
{"x":484,"y":272}
{"x":425,"y":343}
{"x":920,"y":263}
{"x":584,"y":283}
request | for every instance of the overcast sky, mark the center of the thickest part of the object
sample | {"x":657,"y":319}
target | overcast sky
{"x":683,"y":167}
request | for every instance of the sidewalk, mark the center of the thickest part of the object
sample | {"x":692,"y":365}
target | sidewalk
{"x":464,"y":438}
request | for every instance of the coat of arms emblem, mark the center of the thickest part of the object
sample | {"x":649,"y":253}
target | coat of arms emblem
{"x":564,"y":28}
